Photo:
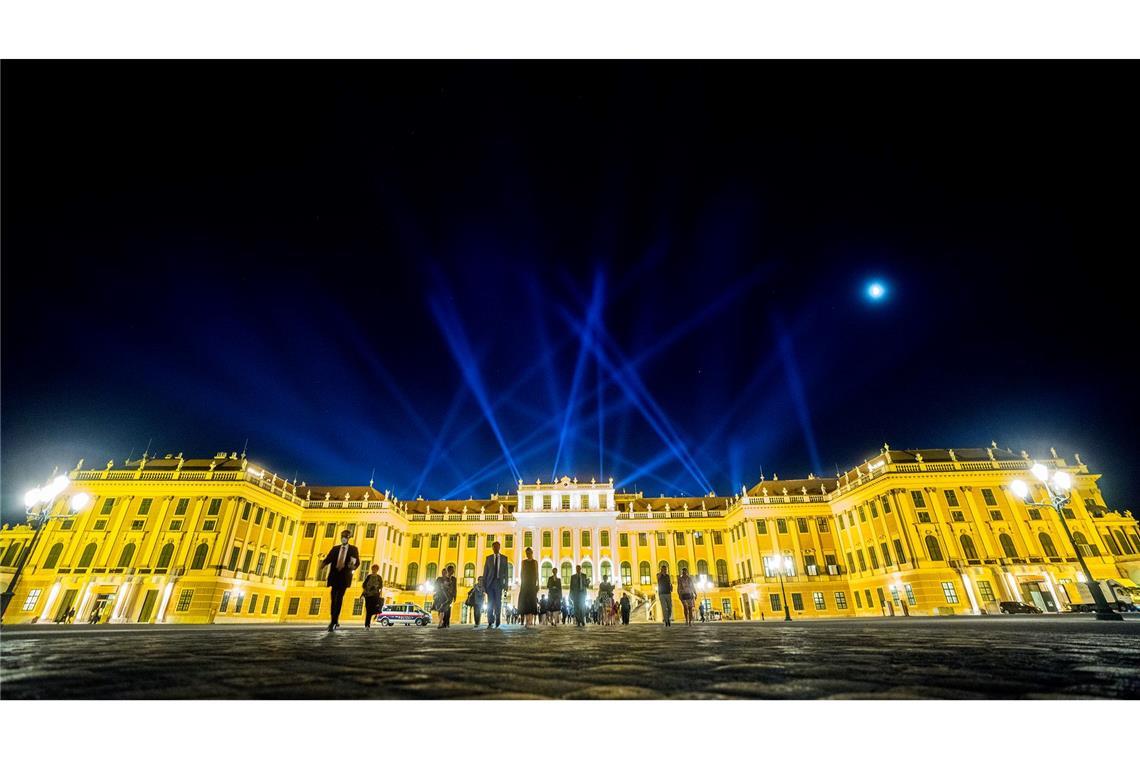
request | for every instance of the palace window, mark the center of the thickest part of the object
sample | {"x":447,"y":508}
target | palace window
{"x":605,"y":538}
{"x":895,"y":595}
{"x":862,"y":514}
{"x":272,"y":566}
{"x":176,"y":525}
{"x":294,"y":605}
{"x":453,"y":541}
{"x":968,"y":549}
{"x":260,"y":564}
{"x":510,"y":541}
{"x":874,"y":508}
{"x":180,"y":507}
{"x":88,"y":555}
{"x":369,"y":530}
{"x":660,"y":538}
{"x":1007,"y":546}
{"x":225,"y":601}
{"x":721,"y":572}
{"x":417,"y":539}
{"x":330,"y":530}
{"x":200,"y":555}
{"x":585,"y":539}
{"x":184,"y":600}
{"x":933,"y":549}
{"x":626,"y":574}
{"x":310,"y":530}
{"x":315,"y":605}
{"x":244,"y":564}
{"x":30,"y":601}
{"x":817,"y":598}
{"x":432,"y":573}
{"x":874,"y":557}
{"x":358,"y":606}
{"x":434,"y":540}
{"x":245,"y":510}
{"x":924,"y":517}
{"x":679,"y":538}
{"x":762,"y":527}
{"x":957,"y":516}
{"x":528,"y":539}
{"x":918,"y":499}
{"x":101,"y":524}
{"x":469,"y":574}
{"x":802,"y":524}
{"x":951,"y":497}
{"x":623,"y":540}
{"x":821,"y":524}
{"x":886,"y":554}
{"x":566,"y":501}
{"x":239,"y":602}
{"x":547,"y":539}
{"x":988,"y":497}
{"x":565,"y":539}
{"x":726,"y":607}
{"x":900,"y":555}
{"x":276,"y":604}
{"x":717,"y":538}
{"x":995,"y":514}
{"x":867,"y":596}
{"x":67,"y":524}
{"x":1035,"y":514}
{"x":209,"y":525}
{"x":949,"y":592}
{"x":774,"y":600}
{"x":53,"y":557}
{"x":781,"y":525}
{"x":798,"y":602}
{"x":646,"y":573}
{"x":215,"y":507}
{"x":886,"y":505}
{"x":413,"y":574}
{"x":986,"y":591}
{"x":858,"y":600}
{"x":265,"y":603}
{"x":840,"y":600}
{"x":862,"y":560}
{"x":108,"y":505}
{"x":841,"y":525}
{"x":698,"y":538}
{"x":144,"y":506}
{"x":1069,"y":514}
{"x":303,"y":570}
{"x":471,"y":541}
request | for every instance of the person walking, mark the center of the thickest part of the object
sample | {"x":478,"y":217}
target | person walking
{"x":554,"y":597}
{"x":452,"y":592}
{"x":494,"y":581}
{"x":528,"y":589}
{"x":475,"y":599}
{"x":578,"y":586}
{"x":605,"y":600}
{"x":372,"y":587}
{"x":625,"y":607}
{"x":688,"y":593}
{"x":442,"y":599}
{"x":343,"y":559}
{"x":665,"y":594}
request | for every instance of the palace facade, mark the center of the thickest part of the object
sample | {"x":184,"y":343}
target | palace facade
{"x":916,"y":532}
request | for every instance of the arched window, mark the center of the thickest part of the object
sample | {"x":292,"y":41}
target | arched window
{"x":165,"y":556}
{"x":1007,"y":546}
{"x":127,"y":555}
{"x":88,"y":555}
{"x":1047,"y":545}
{"x":432,"y":572}
{"x":646,"y":573}
{"x":1125,"y":544}
{"x":626,"y":574}
{"x":664,"y":566}
{"x":53,"y":556}
{"x":469,"y":574}
{"x":702,"y":568}
{"x":1112,"y":547}
{"x":721,"y":572}
{"x":544,"y":572}
{"x":200,"y":555}
{"x":566,"y":571}
{"x":510,"y":569}
{"x":968,"y":550}
{"x":607,"y":572}
{"x":588,"y":571}
{"x":413,"y":574}
{"x":933,"y":549}
{"x":682,"y":564}
{"x":10,"y":555}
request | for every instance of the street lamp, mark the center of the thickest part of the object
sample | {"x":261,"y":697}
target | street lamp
{"x":43,"y":497}
{"x":782,"y":564}
{"x":1059,"y":487}
{"x":427,"y":588}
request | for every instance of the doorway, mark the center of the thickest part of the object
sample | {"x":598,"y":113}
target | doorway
{"x":1039,"y":595}
{"x":64,"y":605}
{"x":100,"y":609}
{"x":148,"y":605}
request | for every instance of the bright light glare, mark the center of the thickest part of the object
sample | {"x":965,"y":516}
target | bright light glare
{"x":79,"y":501}
{"x":876,"y":290}
{"x":32,"y":497}
{"x":1019,"y":488}
{"x":1062,"y":480}
{"x":1040,"y":471}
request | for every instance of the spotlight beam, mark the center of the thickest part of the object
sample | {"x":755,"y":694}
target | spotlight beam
{"x":799,"y":398}
{"x":586,"y":338}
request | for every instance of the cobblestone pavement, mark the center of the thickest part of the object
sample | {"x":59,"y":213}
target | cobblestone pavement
{"x":893,"y":658}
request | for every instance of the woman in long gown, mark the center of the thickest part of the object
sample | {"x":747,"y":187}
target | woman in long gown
{"x":528,"y":589}
{"x":554,"y":597}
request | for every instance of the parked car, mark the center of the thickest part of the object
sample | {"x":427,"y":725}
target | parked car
{"x":1016,"y":608}
{"x":408,"y":614}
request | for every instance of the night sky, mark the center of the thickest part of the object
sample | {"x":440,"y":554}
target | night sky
{"x":459,"y":274}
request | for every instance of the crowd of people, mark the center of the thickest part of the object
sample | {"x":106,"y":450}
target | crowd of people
{"x":537,"y":603}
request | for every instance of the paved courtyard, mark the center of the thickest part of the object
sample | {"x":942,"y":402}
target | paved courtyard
{"x":1072,"y":657}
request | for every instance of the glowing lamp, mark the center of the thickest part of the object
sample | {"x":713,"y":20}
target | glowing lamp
{"x":32,"y":497}
{"x":1062,"y":480}
{"x":79,"y":501}
{"x":876,"y":290}
{"x":1019,"y":488}
{"x":1041,"y":472}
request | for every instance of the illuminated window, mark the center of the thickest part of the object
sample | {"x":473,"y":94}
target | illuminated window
{"x":566,"y":539}
{"x":586,"y":538}
{"x":949,"y":592}
{"x":30,"y":601}
{"x":623,"y":540}
{"x":774,"y":600}
{"x":817,"y":598}
{"x":646,"y":575}
{"x":798,"y":602}
{"x":566,"y":501}
{"x":547,"y":539}
{"x":453,"y":541}
{"x":434,"y":540}
{"x":986,"y":591}
{"x":184,"y":600}
{"x":626,"y":574}
{"x":821,"y":523}
{"x":660,"y":538}
{"x":840,"y":600}
{"x":225,"y":601}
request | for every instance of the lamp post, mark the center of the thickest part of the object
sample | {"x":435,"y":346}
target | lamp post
{"x":44,"y":498}
{"x":703,"y":585}
{"x":427,"y":588}
{"x":1059,"y":487}
{"x":782,"y":566}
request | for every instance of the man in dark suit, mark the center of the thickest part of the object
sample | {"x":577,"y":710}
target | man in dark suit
{"x":578,"y":586}
{"x":494,"y":581}
{"x":343,"y":560}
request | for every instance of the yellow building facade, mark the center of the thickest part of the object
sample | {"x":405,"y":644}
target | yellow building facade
{"x":909,"y":532}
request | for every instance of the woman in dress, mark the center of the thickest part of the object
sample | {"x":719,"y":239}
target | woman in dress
{"x":688,"y":593}
{"x":554,"y":597}
{"x":528,"y":589}
{"x":605,"y":599}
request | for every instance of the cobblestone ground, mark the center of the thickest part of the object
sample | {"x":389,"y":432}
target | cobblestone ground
{"x":895,"y":658}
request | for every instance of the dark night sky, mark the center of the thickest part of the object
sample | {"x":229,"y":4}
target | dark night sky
{"x":352,"y":264}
